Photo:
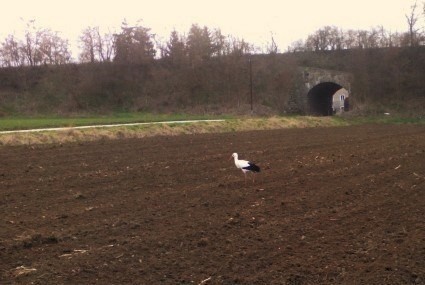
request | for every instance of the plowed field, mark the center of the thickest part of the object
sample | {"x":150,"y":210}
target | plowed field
{"x":331,"y":206}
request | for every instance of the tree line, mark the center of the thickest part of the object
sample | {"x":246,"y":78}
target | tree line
{"x":138,"y":44}
{"x":334,"y":38}
{"x":133,"y":44}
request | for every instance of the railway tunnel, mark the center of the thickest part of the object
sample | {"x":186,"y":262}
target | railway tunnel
{"x":320,"y":98}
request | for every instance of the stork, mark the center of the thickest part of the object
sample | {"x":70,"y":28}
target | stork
{"x":245,"y":166}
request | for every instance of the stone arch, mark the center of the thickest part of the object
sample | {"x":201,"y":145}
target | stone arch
{"x":320,"y":98}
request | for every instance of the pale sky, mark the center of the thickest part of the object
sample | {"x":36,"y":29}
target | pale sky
{"x":254,"y":21}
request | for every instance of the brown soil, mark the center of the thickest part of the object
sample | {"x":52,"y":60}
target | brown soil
{"x":331,"y":206}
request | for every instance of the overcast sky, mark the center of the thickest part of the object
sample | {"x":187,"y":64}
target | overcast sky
{"x":254,"y":21}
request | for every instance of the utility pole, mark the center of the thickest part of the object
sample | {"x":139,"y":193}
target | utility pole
{"x":250,"y":82}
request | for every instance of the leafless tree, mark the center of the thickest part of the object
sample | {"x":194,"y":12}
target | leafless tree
{"x":106,"y":46}
{"x":237,"y":47}
{"x":297,"y":46}
{"x":94,"y":46}
{"x":384,"y":37}
{"x":336,"y":38}
{"x":350,"y":39}
{"x":53,"y":49}
{"x":272,"y":47}
{"x":10,"y":53}
{"x":43,"y":46}
{"x":373,"y":38}
{"x":326,"y":38}
{"x":88,"y":44}
{"x":413,"y":31}
{"x":31,"y":43}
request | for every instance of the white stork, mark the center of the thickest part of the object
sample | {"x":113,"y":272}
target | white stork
{"x":245,"y":166}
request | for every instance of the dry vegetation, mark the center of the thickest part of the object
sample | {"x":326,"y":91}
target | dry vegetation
{"x":242,"y":124}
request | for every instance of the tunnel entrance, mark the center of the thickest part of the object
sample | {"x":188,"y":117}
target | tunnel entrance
{"x":320,"y":98}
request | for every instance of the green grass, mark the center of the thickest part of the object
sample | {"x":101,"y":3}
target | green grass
{"x":24,"y":123}
{"x":397,"y":120}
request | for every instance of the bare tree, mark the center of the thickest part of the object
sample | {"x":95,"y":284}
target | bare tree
{"x":297,"y":46}
{"x":326,"y":38}
{"x":10,"y":52}
{"x":53,"y":49}
{"x":272,"y":47}
{"x":237,"y":47}
{"x":413,"y":31}
{"x":312,"y":43}
{"x":363,"y":39}
{"x":373,"y":38}
{"x":88,"y":44}
{"x":350,"y":39}
{"x":106,"y":46}
{"x":94,"y":46}
{"x":384,"y":37}
{"x":43,"y":46}
{"x":31,"y":43}
{"x":336,"y":38}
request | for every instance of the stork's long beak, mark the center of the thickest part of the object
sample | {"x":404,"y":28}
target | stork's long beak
{"x":230,"y":157}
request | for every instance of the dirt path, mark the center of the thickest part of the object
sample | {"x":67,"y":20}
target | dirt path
{"x":331,"y":206}
{"x":107,"y":126}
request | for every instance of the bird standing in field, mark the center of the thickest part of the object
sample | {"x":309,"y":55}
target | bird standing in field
{"x":245,"y":166}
